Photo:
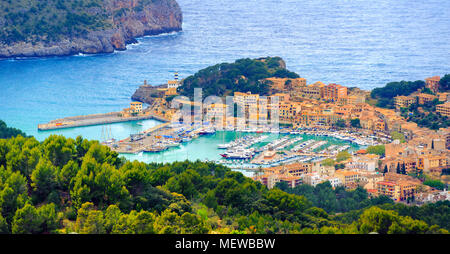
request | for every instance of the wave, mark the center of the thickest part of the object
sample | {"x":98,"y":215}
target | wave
{"x":83,"y":55}
{"x":162,"y":34}
{"x":133,"y":45}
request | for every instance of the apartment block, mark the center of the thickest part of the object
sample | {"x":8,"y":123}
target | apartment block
{"x":333,"y":92}
{"x":403,"y":101}
{"x":443,"y":109}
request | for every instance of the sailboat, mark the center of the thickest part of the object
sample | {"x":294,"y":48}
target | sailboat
{"x":107,"y":136}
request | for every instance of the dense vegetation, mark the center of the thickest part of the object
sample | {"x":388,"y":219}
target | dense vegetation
{"x":51,"y":20}
{"x":425,"y":115}
{"x":64,"y":185}
{"x":336,"y":200}
{"x":385,"y":95}
{"x":378,"y":150}
{"x":433,"y":214}
{"x":244,"y":75}
{"x":25,"y":20}
{"x":7,"y":132}
{"x":444,"y":83}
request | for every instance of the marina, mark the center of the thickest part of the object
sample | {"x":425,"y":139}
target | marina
{"x":246,"y":151}
{"x":241,"y":147}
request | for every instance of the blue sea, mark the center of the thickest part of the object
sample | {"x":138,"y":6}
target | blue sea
{"x":356,"y":43}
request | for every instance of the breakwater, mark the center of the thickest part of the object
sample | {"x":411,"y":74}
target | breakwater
{"x":95,"y":119}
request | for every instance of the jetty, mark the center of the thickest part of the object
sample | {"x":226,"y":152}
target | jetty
{"x":134,"y":113}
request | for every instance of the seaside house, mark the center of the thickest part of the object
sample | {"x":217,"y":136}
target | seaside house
{"x":432,"y":83}
{"x":334,"y":92}
{"x":444,"y":109}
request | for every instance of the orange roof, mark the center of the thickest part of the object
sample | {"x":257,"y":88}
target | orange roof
{"x":346,"y":173}
{"x":434,"y":78}
{"x":362,"y":151}
{"x":386,"y":183}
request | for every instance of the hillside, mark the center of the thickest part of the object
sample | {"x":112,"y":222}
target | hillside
{"x":66,"y":27}
{"x":8,"y":132}
{"x":385,"y":95}
{"x":243,"y":75}
{"x":64,"y":185}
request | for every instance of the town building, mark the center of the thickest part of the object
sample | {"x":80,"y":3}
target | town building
{"x":433,"y":83}
{"x":347,"y":177}
{"x":444,"y":109}
{"x":443,"y":97}
{"x":313,"y":91}
{"x":423,"y":98}
{"x":333,"y":92}
{"x":390,"y":189}
{"x":403,"y":101}
{"x":430,"y":163}
{"x":367,"y":162}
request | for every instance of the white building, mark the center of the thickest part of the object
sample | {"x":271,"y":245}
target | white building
{"x":367,"y":163}
{"x":334,"y":181}
{"x":174,"y":83}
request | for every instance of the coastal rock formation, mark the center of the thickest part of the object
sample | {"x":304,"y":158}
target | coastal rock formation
{"x":148,"y":93}
{"x":121,"y":21}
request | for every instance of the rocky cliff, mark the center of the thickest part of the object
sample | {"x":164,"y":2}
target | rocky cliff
{"x":148,"y":94}
{"x":121,"y":22}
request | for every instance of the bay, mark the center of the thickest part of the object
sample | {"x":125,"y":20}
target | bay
{"x":354,"y":43}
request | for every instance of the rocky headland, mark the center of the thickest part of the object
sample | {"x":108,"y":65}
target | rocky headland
{"x":117,"y":23}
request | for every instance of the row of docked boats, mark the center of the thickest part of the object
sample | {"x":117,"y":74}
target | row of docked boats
{"x":289,"y":143}
{"x":302,"y":145}
{"x":243,"y":142}
{"x":362,"y":141}
{"x":239,"y":154}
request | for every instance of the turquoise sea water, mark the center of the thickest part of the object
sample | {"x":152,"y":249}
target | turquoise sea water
{"x":205,"y":147}
{"x":355,"y":43}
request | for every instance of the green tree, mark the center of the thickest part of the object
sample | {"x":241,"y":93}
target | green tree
{"x":340,"y":123}
{"x":396,"y":135}
{"x":4,"y":229}
{"x":194,"y":224}
{"x":59,"y":150}
{"x":381,"y":221}
{"x":435,"y":184}
{"x":49,"y":218}
{"x":378,"y":150}
{"x":444,"y":83}
{"x":355,"y":123}
{"x":8,"y":132}
{"x":143,"y":223}
{"x":89,"y":220}
{"x":328,"y":162}
{"x":342,"y":156}
{"x":168,"y":223}
{"x":112,"y":217}
{"x":43,"y":179}
{"x":26,"y":221}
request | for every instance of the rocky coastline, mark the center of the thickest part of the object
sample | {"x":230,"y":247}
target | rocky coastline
{"x":155,"y":18}
{"x":148,"y":93}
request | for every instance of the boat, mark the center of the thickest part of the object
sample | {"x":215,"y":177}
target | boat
{"x":239,"y":154}
{"x":208,"y":131}
{"x":223,"y":146}
{"x":186,"y":139}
